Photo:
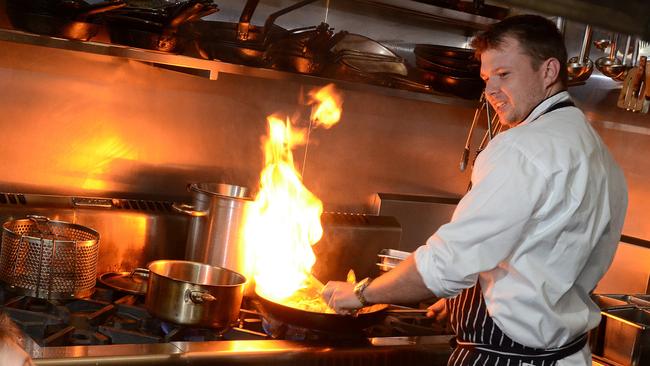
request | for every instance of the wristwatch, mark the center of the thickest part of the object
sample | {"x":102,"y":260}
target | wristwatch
{"x":359,"y":288}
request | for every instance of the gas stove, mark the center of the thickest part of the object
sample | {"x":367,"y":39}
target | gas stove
{"x":113,"y":328}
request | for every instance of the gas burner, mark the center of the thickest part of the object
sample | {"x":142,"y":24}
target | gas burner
{"x":105,"y":319}
{"x":279,"y":330}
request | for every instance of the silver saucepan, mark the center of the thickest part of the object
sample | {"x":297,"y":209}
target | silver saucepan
{"x":195,"y":294}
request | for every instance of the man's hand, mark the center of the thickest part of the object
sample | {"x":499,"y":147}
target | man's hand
{"x":438,"y":311}
{"x":340,"y":297}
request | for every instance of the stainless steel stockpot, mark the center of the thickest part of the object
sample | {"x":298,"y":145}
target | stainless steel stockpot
{"x":196,"y":294}
{"x":218,"y":212}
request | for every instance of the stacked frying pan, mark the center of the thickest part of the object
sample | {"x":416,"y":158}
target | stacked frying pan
{"x":450,"y":70}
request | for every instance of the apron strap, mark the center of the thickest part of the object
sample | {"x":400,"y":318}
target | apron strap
{"x":553,"y":354}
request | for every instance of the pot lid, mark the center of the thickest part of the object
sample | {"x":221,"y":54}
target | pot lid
{"x":134,"y":282}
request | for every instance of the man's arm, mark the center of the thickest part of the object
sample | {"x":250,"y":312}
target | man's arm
{"x":402,"y":284}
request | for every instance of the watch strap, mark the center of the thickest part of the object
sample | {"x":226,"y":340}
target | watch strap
{"x":359,"y":288}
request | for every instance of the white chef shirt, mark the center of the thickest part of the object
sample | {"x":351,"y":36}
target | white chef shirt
{"x":539,"y":228}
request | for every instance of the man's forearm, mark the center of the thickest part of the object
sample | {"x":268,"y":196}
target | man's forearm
{"x":402,"y":284}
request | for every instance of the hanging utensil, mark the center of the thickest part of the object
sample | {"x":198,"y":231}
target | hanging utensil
{"x":624,"y":95}
{"x":580,"y":68}
{"x":626,"y":66}
{"x":638,"y":83}
{"x":646,"y":104}
{"x":489,"y":120}
{"x":465,"y":158}
{"x":484,"y":141}
{"x":243,"y":27}
{"x":611,"y":66}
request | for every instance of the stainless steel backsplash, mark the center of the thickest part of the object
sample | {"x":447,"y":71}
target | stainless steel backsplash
{"x":134,"y":232}
{"x":89,"y":125}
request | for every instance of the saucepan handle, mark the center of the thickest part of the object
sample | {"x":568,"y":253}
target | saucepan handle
{"x":188,"y":210}
{"x":199,"y":297}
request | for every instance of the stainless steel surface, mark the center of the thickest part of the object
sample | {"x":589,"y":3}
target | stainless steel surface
{"x":429,"y":350}
{"x":196,"y":294}
{"x":390,"y":258}
{"x":433,"y":350}
{"x":49,"y":259}
{"x":627,"y":336}
{"x":133,"y":231}
{"x":419,"y":216}
{"x":216,"y":230}
{"x":352,"y":242}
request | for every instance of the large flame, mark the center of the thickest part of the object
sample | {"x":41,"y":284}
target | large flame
{"x":284,"y":220}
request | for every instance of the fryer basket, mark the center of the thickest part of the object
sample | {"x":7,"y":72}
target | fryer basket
{"x":48,"y":259}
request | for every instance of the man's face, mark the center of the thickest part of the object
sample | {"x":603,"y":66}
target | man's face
{"x":512,"y":86}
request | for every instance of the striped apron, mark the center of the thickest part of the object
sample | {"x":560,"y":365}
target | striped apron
{"x":480,"y":342}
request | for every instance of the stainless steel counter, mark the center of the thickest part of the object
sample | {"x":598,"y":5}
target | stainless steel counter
{"x":430,"y":350}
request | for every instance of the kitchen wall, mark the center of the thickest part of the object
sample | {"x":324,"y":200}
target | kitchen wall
{"x":92,"y":125}
{"x":75,"y":123}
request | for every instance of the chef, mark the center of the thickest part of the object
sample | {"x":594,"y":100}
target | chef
{"x":11,"y":353}
{"x":529,"y":242}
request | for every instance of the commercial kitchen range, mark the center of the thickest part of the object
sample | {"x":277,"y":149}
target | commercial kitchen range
{"x":113,"y":328}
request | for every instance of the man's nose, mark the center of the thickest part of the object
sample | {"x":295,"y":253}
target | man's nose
{"x":491,"y":87}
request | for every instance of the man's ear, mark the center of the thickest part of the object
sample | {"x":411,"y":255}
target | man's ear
{"x":551,"y":71}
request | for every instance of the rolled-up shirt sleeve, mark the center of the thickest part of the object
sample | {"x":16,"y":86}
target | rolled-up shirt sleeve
{"x":487,"y":224}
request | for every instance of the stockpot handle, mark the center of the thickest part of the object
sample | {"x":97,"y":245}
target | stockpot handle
{"x":198,"y":297}
{"x":188,"y":210}
{"x":144,"y":272}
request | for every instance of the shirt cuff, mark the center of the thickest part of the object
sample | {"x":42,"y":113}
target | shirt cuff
{"x":425,"y":264}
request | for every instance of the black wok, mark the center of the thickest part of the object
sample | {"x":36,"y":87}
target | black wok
{"x":336,"y":323}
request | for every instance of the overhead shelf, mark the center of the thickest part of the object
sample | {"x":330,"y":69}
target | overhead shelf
{"x":211,"y":69}
{"x":629,"y":17}
{"x":441,"y":14}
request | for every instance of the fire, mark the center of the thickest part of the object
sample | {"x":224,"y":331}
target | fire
{"x":327,"y":111}
{"x":284,"y":220}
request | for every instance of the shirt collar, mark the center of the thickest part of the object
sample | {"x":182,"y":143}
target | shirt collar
{"x":544,"y":105}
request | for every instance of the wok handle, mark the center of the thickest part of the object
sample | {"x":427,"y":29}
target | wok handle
{"x":188,"y":210}
{"x":407,"y":311}
{"x":199,"y":297}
